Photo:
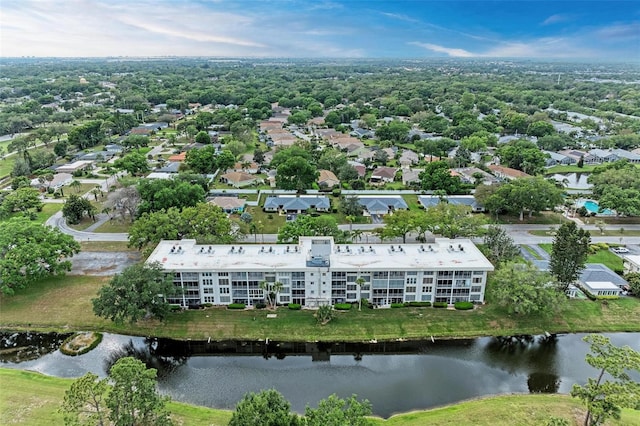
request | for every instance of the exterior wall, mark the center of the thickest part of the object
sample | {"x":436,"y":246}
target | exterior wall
{"x":313,"y":286}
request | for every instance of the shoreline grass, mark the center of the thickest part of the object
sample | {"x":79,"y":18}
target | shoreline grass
{"x":47,"y":306}
{"x":32,"y":398}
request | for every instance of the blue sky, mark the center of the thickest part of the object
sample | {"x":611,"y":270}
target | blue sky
{"x":604,"y":30}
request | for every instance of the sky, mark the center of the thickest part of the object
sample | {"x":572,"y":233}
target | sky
{"x":598,"y":30}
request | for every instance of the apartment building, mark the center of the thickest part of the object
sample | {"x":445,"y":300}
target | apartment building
{"x":317,"y":271}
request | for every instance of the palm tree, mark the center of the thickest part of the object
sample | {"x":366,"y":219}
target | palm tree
{"x":276,"y":288}
{"x":76,"y":184}
{"x":264,"y":286}
{"x":324,"y":314}
{"x":360,"y":281}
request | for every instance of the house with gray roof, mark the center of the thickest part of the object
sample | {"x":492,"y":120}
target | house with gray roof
{"x":556,"y":158}
{"x":381,"y":204}
{"x":382,"y":175}
{"x":297,"y":203}
{"x":465,"y":200}
{"x":599,"y":280}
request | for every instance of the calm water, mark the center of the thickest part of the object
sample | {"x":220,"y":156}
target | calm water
{"x":395,"y":377}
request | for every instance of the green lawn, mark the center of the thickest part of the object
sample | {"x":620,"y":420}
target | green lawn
{"x":532,"y":252}
{"x":6,"y":165}
{"x":544,"y":218}
{"x":569,"y":169}
{"x":48,"y":210}
{"x":29,"y":398}
{"x":47,"y":306}
{"x":606,"y":257}
{"x":607,"y":233}
{"x":412,"y":202}
{"x":114,"y":226}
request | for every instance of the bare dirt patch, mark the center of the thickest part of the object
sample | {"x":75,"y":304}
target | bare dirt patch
{"x":102,"y":263}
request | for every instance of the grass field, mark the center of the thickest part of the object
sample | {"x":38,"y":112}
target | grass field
{"x":28,"y":398}
{"x":609,"y":259}
{"x":47,"y":306}
{"x":607,"y":233}
{"x":105,"y":246}
{"x":114,"y":225}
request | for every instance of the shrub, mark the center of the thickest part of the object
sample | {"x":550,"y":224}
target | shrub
{"x":440,"y":304}
{"x":260,"y":305}
{"x":604,"y":298}
{"x":72,"y":348}
{"x":397,"y":305}
{"x":336,"y":192}
{"x":236,"y":306}
{"x":207,"y":305}
{"x":175,"y":307}
{"x":295,"y":306}
{"x":418,"y":304}
{"x":463,"y":306}
{"x":342,"y":306}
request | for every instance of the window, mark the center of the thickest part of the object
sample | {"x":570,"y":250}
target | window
{"x":476,"y":289}
{"x":225,"y":299}
{"x":224,"y":281}
{"x":209,"y":299}
{"x":477,"y":280}
{"x":411,"y":289}
{"x":426,"y":298}
{"x":478,"y":272}
{"x":223,"y":274}
{"x":412,"y":280}
{"x":207,"y":290}
{"x":224,"y":290}
{"x":427,"y":280}
{"x":427,"y":289}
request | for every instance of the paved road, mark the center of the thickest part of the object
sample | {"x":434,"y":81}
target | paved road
{"x":57,"y":221}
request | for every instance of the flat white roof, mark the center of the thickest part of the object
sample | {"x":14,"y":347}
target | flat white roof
{"x":633,"y":258}
{"x":601,"y":285}
{"x":443,"y":254}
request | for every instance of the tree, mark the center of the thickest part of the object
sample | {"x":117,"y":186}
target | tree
{"x":84,"y":402}
{"x":605,"y":397}
{"x":23,"y":199}
{"x":296,"y":173}
{"x":523,"y":155}
{"x":398,"y":224}
{"x":266,"y":408}
{"x":133,"y":399}
{"x":454,"y":220}
{"x":568,"y":254}
{"x":633,"y":278}
{"x":135,"y":142}
{"x":350,"y":206}
{"x":540,"y":129}
{"x":86,"y":135}
{"x":436,"y":176}
{"x":499,"y":245}
{"x":360,"y":282}
{"x":60,"y":148}
{"x":159,"y":194}
{"x":308,"y":226}
{"x":134,"y":163}
{"x":30,"y":251}
{"x":203,"y":138}
{"x":138,"y":292}
{"x":523,"y":289}
{"x":202,"y":160}
{"x":75,"y":208}
{"x":337,"y":411}
{"x":395,"y":131}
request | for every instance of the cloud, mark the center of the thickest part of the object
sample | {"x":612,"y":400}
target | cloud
{"x":453,"y":52}
{"x":556,"y":19}
{"x":400,"y":17}
{"x":620,"y":31}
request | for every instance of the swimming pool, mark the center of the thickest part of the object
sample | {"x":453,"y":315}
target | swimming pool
{"x":593,"y":207}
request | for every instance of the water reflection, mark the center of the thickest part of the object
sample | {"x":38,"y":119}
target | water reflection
{"x":394,"y":376}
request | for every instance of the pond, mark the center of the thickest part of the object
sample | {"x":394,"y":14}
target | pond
{"x":573,"y":180}
{"x":394,"y":376}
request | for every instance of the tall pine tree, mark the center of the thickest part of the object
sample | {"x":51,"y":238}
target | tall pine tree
{"x":569,"y":254}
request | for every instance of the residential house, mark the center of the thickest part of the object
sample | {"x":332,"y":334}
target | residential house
{"x":238,"y":179}
{"x":465,"y":200}
{"x":327,"y":179}
{"x":410,"y":176}
{"x":382,"y":175}
{"x":178,"y":158}
{"x":316,"y":271}
{"x":171,"y":167}
{"x":507,"y":173}
{"x":615,"y":155}
{"x":472,"y":174}
{"x":604,"y":155}
{"x":556,"y":158}
{"x":380,"y":205}
{"x":114,"y":148}
{"x":247,"y":167}
{"x":59,"y":180}
{"x":408,"y":158}
{"x":577,"y":155}
{"x":599,"y":280}
{"x":631,"y":263}
{"x":270,"y":125}
{"x":229,"y":204}
{"x":360,"y":168}
{"x":296,"y":203}
{"x":74,"y":167}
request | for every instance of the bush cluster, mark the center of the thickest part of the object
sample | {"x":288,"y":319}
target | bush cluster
{"x":342,"y":306}
{"x":68,"y":349}
{"x":260,"y":305}
{"x":295,"y":306}
{"x":397,"y":305}
{"x":440,"y":304}
{"x":175,"y":307}
{"x":236,"y":306}
{"x":463,"y":306}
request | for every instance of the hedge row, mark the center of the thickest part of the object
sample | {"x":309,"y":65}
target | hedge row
{"x":397,"y":305}
{"x":440,"y":304}
{"x":295,"y":306}
{"x":236,"y":306}
{"x":417,"y":304}
{"x":342,"y":306}
{"x":463,"y":306}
